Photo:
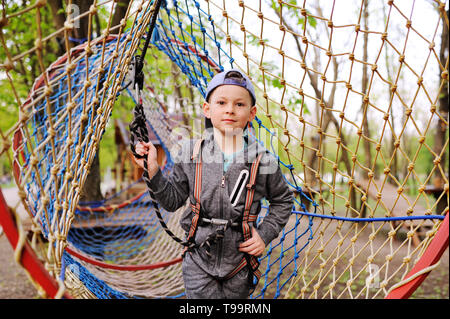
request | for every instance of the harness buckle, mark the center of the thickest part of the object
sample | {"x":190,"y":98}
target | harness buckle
{"x":216,"y":221}
{"x":137,"y":65}
{"x":222,"y":222}
{"x":219,"y":222}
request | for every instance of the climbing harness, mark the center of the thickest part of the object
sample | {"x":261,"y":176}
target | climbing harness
{"x":249,"y":260}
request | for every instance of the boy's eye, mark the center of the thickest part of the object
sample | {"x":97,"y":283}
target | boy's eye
{"x":221,"y":102}
{"x":240,"y":104}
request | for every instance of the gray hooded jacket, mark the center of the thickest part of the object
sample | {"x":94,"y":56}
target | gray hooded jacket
{"x":172,"y":192}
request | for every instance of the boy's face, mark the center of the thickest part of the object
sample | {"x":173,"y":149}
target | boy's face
{"x":229,"y":108}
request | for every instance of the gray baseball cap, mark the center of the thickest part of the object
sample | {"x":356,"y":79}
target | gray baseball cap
{"x":222,"y":79}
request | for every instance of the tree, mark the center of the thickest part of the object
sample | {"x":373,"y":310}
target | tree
{"x":91,"y":190}
{"x":20,"y":36}
{"x":365,"y":81}
{"x":442,"y":127}
{"x":56,"y":7}
{"x":329,"y":117}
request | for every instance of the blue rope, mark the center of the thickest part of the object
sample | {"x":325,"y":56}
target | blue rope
{"x":371,"y":219}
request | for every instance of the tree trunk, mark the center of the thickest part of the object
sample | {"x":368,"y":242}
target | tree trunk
{"x":81,"y":29}
{"x":442,"y":128}
{"x":119,"y":14}
{"x":392,"y":149}
{"x":365,"y":82}
{"x":91,"y":190}
{"x":57,"y":9}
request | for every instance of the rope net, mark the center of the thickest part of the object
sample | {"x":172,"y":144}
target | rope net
{"x":349,"y":101}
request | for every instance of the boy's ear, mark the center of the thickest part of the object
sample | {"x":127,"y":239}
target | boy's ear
{"x":252,"y":113}
{"x":206,"y":109}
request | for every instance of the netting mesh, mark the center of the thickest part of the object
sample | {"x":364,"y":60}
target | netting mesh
{"x":349,"y":100}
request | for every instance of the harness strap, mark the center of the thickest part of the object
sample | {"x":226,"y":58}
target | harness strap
{"x":197,"y":147}
{"x":250,"y":260}
{"x":249,"y":199}
{"x":196,"y":155}
{"x":197,"y":189}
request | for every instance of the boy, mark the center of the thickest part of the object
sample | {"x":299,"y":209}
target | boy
{"x":217,"y":174}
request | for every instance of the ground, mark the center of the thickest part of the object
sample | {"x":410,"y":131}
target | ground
{"x":436,"y":285}
{"x":14,"y":282}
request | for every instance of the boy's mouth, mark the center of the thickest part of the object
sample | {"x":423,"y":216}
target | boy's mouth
{"x":228,"y":121}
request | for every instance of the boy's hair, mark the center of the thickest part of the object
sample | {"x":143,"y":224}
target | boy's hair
{"x":234,"y":77}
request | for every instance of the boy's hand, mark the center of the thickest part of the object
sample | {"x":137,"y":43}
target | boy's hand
{"x":148,"y":149}
{"x":254,"y":246}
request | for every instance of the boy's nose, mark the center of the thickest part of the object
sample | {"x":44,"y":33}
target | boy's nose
{"x":229,"y":108}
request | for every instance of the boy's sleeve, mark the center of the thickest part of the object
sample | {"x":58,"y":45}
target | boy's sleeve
{"x":281,"y":201}
{"x":172,"y":191}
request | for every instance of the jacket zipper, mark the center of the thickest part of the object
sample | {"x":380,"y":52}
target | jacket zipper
{"x":220,"y":243}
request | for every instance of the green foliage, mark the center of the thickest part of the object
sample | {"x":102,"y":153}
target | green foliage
{"x":108,"y":148}
{"x":293,"y":15}
{"x":20,"y":36}
{"x":8,"y":109}
{"x":123,"y":110}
